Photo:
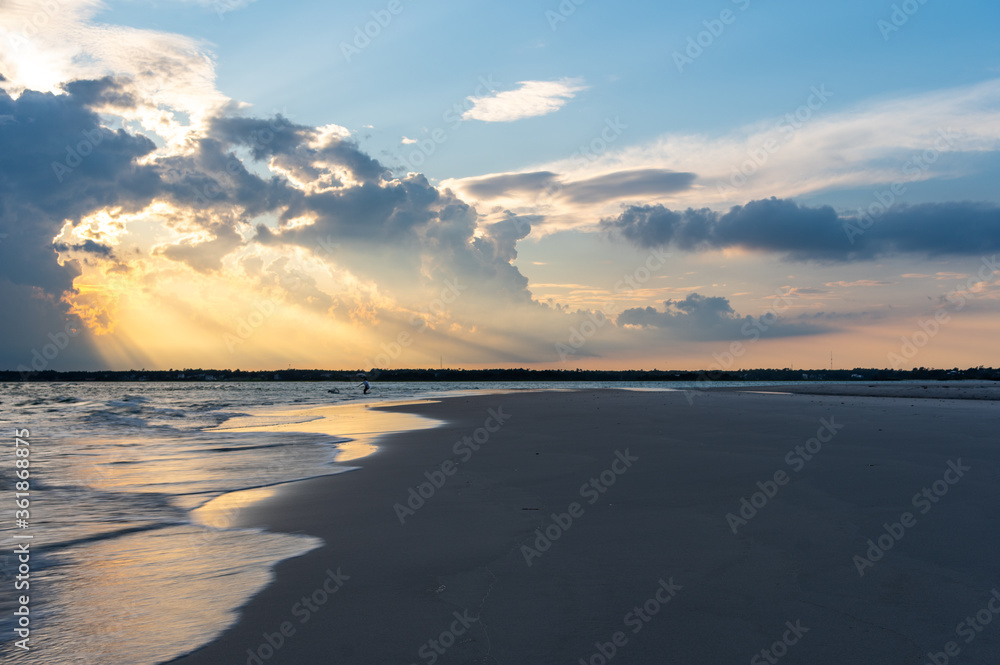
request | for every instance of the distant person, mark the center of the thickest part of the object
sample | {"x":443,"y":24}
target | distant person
{"x":365,"y":384}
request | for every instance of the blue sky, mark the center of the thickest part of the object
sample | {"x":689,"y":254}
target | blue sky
{"x":553,"y":145}
{"x":430,"y":56}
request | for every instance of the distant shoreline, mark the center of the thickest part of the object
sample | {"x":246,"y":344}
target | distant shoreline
{"x":550,"y":375}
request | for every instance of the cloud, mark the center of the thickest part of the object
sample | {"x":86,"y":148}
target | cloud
{"x":496,"y":186}
{"x":712,"y":318}
{"x":173,"y":75}
{"x":627,"y":184}
{"x":862,"y":282}
{"x":207,"y":255}
{"x":906,"y":139}
{"x":801,"y":233}
{"x":47,"y":179}
{"x":58,"y":163}
{"x":532,"y":98}
{"x":329,"y":231}
{"x":640,"y":183}
{"x":88,"y":247}
{"x":806,"y":291}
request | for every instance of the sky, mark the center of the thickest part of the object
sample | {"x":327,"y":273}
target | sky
{"x":578,"y":184}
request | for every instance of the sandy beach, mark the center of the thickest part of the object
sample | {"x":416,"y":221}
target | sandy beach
{"x":646,"y":527}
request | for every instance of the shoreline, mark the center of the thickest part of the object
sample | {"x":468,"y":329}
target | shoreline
{"x":657,"y":529}
{"x":971,"y":390}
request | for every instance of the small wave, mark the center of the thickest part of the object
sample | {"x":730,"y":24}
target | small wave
{"x":107,"y":535}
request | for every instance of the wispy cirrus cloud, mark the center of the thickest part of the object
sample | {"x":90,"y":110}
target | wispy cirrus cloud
{"x":599,"y":189}
{"x":870,"y":144}
{"x":861,"y":282}
{"x":532,"y":98}
{"x":172,"y":76}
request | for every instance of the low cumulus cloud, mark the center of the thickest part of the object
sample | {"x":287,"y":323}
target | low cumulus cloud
{"x":801,"y":233}
{"x":323,"y":195}
{"x":58,"y":163}
{"x":712,"y":318}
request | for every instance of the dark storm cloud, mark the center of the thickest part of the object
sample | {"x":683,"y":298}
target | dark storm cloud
{"x":710,"y":318}
{"x":279,"y":137}
{"x":264,"y":137}
{"x":87,"y":246}
{"x":101,"y":92}
{"x":407,"y":220}
{"x":212,"y":178}
{"x":802,"y":233}
{"x":368,"y":213}
{"x":57,"y":164}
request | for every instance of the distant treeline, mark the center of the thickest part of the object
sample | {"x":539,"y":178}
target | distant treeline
{"x":472,"y":375}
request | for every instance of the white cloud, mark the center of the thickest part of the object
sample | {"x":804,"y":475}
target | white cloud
{"x":172,"y":75}
{"x":532,"y":98}
{"x":408,"y":141}
{"x":861,"y":282}
{"x":864,"y":146}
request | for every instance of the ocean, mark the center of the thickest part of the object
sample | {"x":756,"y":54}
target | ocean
{"x":131,"y":554}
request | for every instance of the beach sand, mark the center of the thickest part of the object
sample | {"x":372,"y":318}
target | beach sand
{"x":641,"y":563}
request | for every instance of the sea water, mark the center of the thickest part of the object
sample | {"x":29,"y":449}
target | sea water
{"x":127,"y":564}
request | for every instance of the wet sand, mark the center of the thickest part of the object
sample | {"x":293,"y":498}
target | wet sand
{"x":625,"y":505}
